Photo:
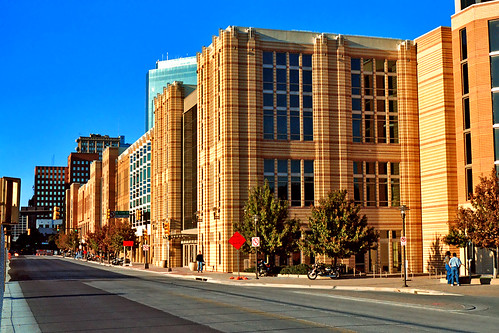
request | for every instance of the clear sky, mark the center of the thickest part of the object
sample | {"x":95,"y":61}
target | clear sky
{"x":71,"y":68}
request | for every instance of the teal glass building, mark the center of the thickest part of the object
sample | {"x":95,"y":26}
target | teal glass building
{"x":167,"y":71}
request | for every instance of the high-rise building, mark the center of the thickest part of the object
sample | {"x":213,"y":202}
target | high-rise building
{"x":166,"y":72}
{"x":79,"y":167}
{"x":96,"y":143}
{"x":49,"y":189}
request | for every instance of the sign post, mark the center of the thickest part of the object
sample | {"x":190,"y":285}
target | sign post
{"x":237,"y":240}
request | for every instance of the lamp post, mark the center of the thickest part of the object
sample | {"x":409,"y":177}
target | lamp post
{"x":403,"y":210}
{"x":256,"y":248}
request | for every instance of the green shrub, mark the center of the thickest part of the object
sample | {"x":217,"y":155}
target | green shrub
{"x":300,"y":269}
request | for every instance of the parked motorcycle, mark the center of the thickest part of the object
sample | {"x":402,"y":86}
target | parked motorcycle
{"x":321,"y":269}
{"x":264,"y":268}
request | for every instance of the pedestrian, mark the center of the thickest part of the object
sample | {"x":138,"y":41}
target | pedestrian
{"x":200,"y":260}
{"x":454,"y":264}
{"x":447,"y":267}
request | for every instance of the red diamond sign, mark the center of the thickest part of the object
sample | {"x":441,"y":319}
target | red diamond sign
{"x":237,"y":240}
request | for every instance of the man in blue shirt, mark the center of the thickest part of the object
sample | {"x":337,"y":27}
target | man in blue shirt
{"x":454,"y":264}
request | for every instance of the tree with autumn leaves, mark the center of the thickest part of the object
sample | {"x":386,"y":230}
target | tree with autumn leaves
{"x":337,"y":230}
{"x":278,"y":233}
{"x":109,"y":238}
{"x":479,"y":224}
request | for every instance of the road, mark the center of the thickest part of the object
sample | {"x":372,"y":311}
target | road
{"x":68,"y":296}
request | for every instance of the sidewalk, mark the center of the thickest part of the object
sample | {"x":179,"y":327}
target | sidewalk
{"x":415,"y":285}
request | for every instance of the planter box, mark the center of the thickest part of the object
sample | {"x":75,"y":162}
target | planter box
{"x":192,"y":266}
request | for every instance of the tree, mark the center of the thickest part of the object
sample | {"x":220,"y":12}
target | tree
{"x":337,"y":230}
{"x":115,"y":234}
{"x":480,"y":224}
{"x":278,"y":234}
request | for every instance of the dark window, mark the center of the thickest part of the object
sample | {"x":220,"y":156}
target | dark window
{"x":464,"y":45}
{"x":370,"y":168}
{"x":380,"y":65}
{"x":294,"y":76}
{"x":496,"y":144}
{"x":356,"y":104}
{"x":380,"y":105}
{"x":466,"y":113}
{"x":268,"y":125}
{"x":467,"y":147}
{"x":392,"y":66}
{"x":383,"y":191}
{"x":294,"y":124}
{"x":368,"y":85}
{"x":295,"y":183}
{"x":294,"y":59}
{"x":308,"y":171}
{"x":392,"y":86}
{"x":495,"y":107}
{"x":268,"y":58}
{"x":494,"y":71}
{"x":280,"y":59}
{"x":308,"y":126}
{"x":464,"y":73}
{"x":395,"y":187}
{"x":381,"y":127}
{"x":355,"y":64}
{"x":494,"y":35}
{"x":368,"y":105}
{"x":358,"y":168}
{"x":294,"y":101}
{"x":369,"y":127}
{"x":380,"y":85}
{"x":268,"y":100}
{"x":307,"y":102}
{"x":358,"y":190}
{"x":282,"y":125}
{"x":268,"y":75}
{"x":357,"y":127}
{"x":395,"y":169}
{"x":282,"y":100}
{"x":306,"y":60}
{"x":307,"y":77}
{"x":394,"y":129}
{"x":367,"y":65}
{"x":469,"y":183}
{"x":282,"y":179}
{"x":392,"y":106}
{"x":355,"y":84}
{"x":370,"y":191}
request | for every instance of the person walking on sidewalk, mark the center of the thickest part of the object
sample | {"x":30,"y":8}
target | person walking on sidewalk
{"x":200,"y":260}
{"x":454,"y":264}
{"x":447,"y":267}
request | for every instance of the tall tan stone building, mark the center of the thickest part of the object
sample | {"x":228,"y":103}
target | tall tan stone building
{"x":310,"y":113}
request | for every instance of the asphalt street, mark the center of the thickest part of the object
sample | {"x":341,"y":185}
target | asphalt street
{"x":68,"y":296}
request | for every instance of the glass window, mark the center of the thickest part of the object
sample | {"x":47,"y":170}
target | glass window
{"x":268,"y":75}
{"x":380,"y":105}
{"x":355,"y":84}
{"x":464,"y":73}
{"x":308,"y":126}
{"x":294,"y":76}
{"x":357,"y":168}
{"x":469,"y":183}
{"x":306,"y":60}
{"x":294,"y":59}
{"x":495,"y":107}
{"x":371,"y":192}
{"x":369,"y":127}
{"x":268,"y":126}
{"x":392,"y":106}
{"x":357,"y":127}
{"x":383,"y":191}
{"x":394,"y":129}
{"x":380,"y":65}
{"x":395,"y":189}
{"x":381,"y":128}
{"x":268,"y":100}
{"x":295,"y":183}
{"x":280,"y":59}
{"x":367,"y":65}
{"x":358,"y":190}
{"x":494,"y":71}
{"x":494,"y":35}
{"x":392,"y":86}
{"x":282,"y":100}
{"x":380,"y":85}
{"x":467,"y":144}
{"x":395,"y":169}
{"x":307,"y":102}
{"x":368,"y":104}
{"x":355,"y":64}
{"x":464,"y":44}
{"x":392,"y":66}
{"x":282,"y":179}
{"x":308,"y":171}
{"x":356,"y":104}
{"x":307,"y":77}
{"x":370,"y":168}
{"x":294,"y":101}
{"x":466,"y":113}
{"x":368,"y":85}
{"x":294,"y":125}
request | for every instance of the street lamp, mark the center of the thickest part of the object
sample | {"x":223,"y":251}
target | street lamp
{"x":256,"y":248}
{"x":403,"y":210}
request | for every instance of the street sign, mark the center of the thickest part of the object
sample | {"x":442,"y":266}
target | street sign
{"x":403,"y":241}
{"x":121,"y":214}
{"x":145,"y":247}
{"x":237,"y":240}
{"x":255,"y":241}
{"x":127,"y":243}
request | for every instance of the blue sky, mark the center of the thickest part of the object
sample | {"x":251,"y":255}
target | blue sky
{"x":71,"y":68}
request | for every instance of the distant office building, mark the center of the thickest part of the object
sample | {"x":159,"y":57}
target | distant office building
{"x":166,"y":72}
{"x":49,"y":189}
{"x":96,"y":143}
{"x":10,"y":197}
{"x":19,"y":228}
{"x":79,"y":167}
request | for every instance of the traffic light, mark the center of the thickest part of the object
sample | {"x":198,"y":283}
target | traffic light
{"x":138,"y":215}
{"x":57,"y":213}
{"x":58,"y":227}
{"x":108,"y":214}
{"x":145,"y":232}
{"x":166,"y":227}
{"x":29,"y":231}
